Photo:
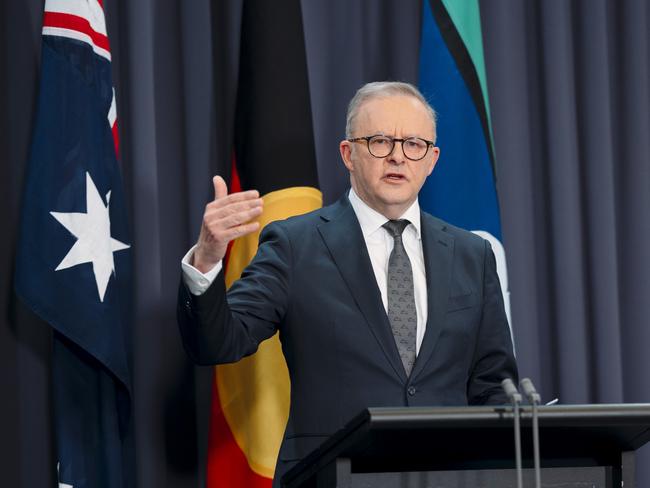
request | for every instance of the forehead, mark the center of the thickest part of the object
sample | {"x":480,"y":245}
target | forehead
{"x":394,"y":115}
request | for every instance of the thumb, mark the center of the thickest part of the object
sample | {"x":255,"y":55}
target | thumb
{"x":220,"y":187}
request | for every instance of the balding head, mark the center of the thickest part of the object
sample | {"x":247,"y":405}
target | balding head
{"x":383,"y":89}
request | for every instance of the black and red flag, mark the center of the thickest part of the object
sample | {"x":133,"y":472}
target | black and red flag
{"x":274,"y":154}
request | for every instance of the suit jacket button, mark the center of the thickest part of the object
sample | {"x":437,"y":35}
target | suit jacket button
{"x":411,"y":390}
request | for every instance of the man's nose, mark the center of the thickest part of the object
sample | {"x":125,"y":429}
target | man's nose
{"x":397,"y":156}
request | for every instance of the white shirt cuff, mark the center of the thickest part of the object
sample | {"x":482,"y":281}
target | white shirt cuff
{"x":196,"y":281}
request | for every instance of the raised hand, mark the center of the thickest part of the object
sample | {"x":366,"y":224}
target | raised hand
{"x":227,"y":217}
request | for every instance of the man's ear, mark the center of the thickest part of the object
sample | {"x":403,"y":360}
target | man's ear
{"x":345,"y":148}
{"x":434,"y":159}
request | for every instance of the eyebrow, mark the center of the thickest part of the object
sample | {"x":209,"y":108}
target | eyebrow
{"x":407,"y":136}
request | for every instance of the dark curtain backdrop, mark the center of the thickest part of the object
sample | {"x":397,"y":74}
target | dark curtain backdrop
{"x":569,"y":93}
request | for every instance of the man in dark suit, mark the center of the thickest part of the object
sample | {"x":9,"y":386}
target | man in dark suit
{"x":376,"y":302}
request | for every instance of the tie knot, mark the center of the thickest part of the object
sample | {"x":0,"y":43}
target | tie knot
{"x":396,"y":227}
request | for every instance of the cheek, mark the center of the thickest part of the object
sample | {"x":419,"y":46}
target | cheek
{"x":366,"y":171}
{"x":420,"y":176}
{"x":425,"y":170}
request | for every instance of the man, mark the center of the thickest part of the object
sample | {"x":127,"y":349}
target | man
{"x":376,"y":302}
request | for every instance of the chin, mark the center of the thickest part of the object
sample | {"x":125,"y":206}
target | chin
{"x":398,"y":196}
{"x":396,"y":204}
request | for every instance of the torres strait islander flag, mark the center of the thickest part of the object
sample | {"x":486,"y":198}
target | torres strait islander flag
{"x":461,"y":190}
{"x":73,"y":257}
{"x":274,"y":154}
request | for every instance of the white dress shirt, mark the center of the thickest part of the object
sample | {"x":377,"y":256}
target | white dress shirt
{"x":196,"y":281}
{"x":379,"y":244}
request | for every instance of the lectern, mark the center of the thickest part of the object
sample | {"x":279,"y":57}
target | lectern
{"x":581,"y":446}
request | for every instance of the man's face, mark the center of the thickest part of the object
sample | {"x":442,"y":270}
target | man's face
{"x":391,"y":184}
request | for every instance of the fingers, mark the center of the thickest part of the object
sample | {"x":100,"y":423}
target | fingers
{"x":224,"y":209}
{"x":221,"y":193}
{"x":230,"y":210}
{"x":232,"y":216}
{"x":227,"y":217}
{"x":220,"y":187}
{"x":227,"y":200}
{"x":241,"y":230}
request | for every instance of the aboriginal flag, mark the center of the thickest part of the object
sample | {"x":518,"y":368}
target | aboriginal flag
{"x":274,"y":153}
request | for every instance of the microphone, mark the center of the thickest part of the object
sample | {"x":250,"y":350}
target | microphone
{"x":515,"y":397}
{"x":535,"y":400}
{"x":511,"y":390}
{"x":530,"y":391}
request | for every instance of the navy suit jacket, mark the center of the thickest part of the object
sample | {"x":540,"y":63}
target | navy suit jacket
{"x":312,"y":281}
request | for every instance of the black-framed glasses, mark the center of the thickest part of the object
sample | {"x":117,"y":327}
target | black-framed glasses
{"x":414,"y":148}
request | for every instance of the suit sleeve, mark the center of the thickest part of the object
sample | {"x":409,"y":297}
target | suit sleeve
{"x":222,"y":327}
{"x":493,"y":358}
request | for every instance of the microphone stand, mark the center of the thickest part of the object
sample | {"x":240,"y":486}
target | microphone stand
{"x":534,"y":399}
{"x":515,"y":397}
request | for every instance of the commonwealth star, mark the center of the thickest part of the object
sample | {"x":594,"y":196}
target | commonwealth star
{"x":93,"y":232}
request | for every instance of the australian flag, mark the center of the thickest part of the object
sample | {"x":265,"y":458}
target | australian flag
{"x":73,"y":259}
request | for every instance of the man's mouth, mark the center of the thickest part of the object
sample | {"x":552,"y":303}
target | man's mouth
{"x":394,"y":177}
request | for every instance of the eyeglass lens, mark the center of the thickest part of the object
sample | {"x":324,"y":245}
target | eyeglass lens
{"x":382,"y":146}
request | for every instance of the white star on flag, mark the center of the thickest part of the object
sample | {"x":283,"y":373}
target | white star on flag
{"x":93,"y":232}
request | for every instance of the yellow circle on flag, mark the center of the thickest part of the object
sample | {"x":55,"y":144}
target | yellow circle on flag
{"x":254,"y":392}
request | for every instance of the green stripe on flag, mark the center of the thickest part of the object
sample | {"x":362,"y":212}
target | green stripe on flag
{"x":466,"y":16}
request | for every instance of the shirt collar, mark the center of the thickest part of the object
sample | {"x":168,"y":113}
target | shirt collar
{"x":370,"y":220}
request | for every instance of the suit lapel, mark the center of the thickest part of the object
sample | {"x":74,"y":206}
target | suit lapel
{"x":438,"y":250}
{"x":342,"y":235}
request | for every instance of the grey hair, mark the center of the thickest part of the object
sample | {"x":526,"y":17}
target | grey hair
{"x":382,"y":89}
